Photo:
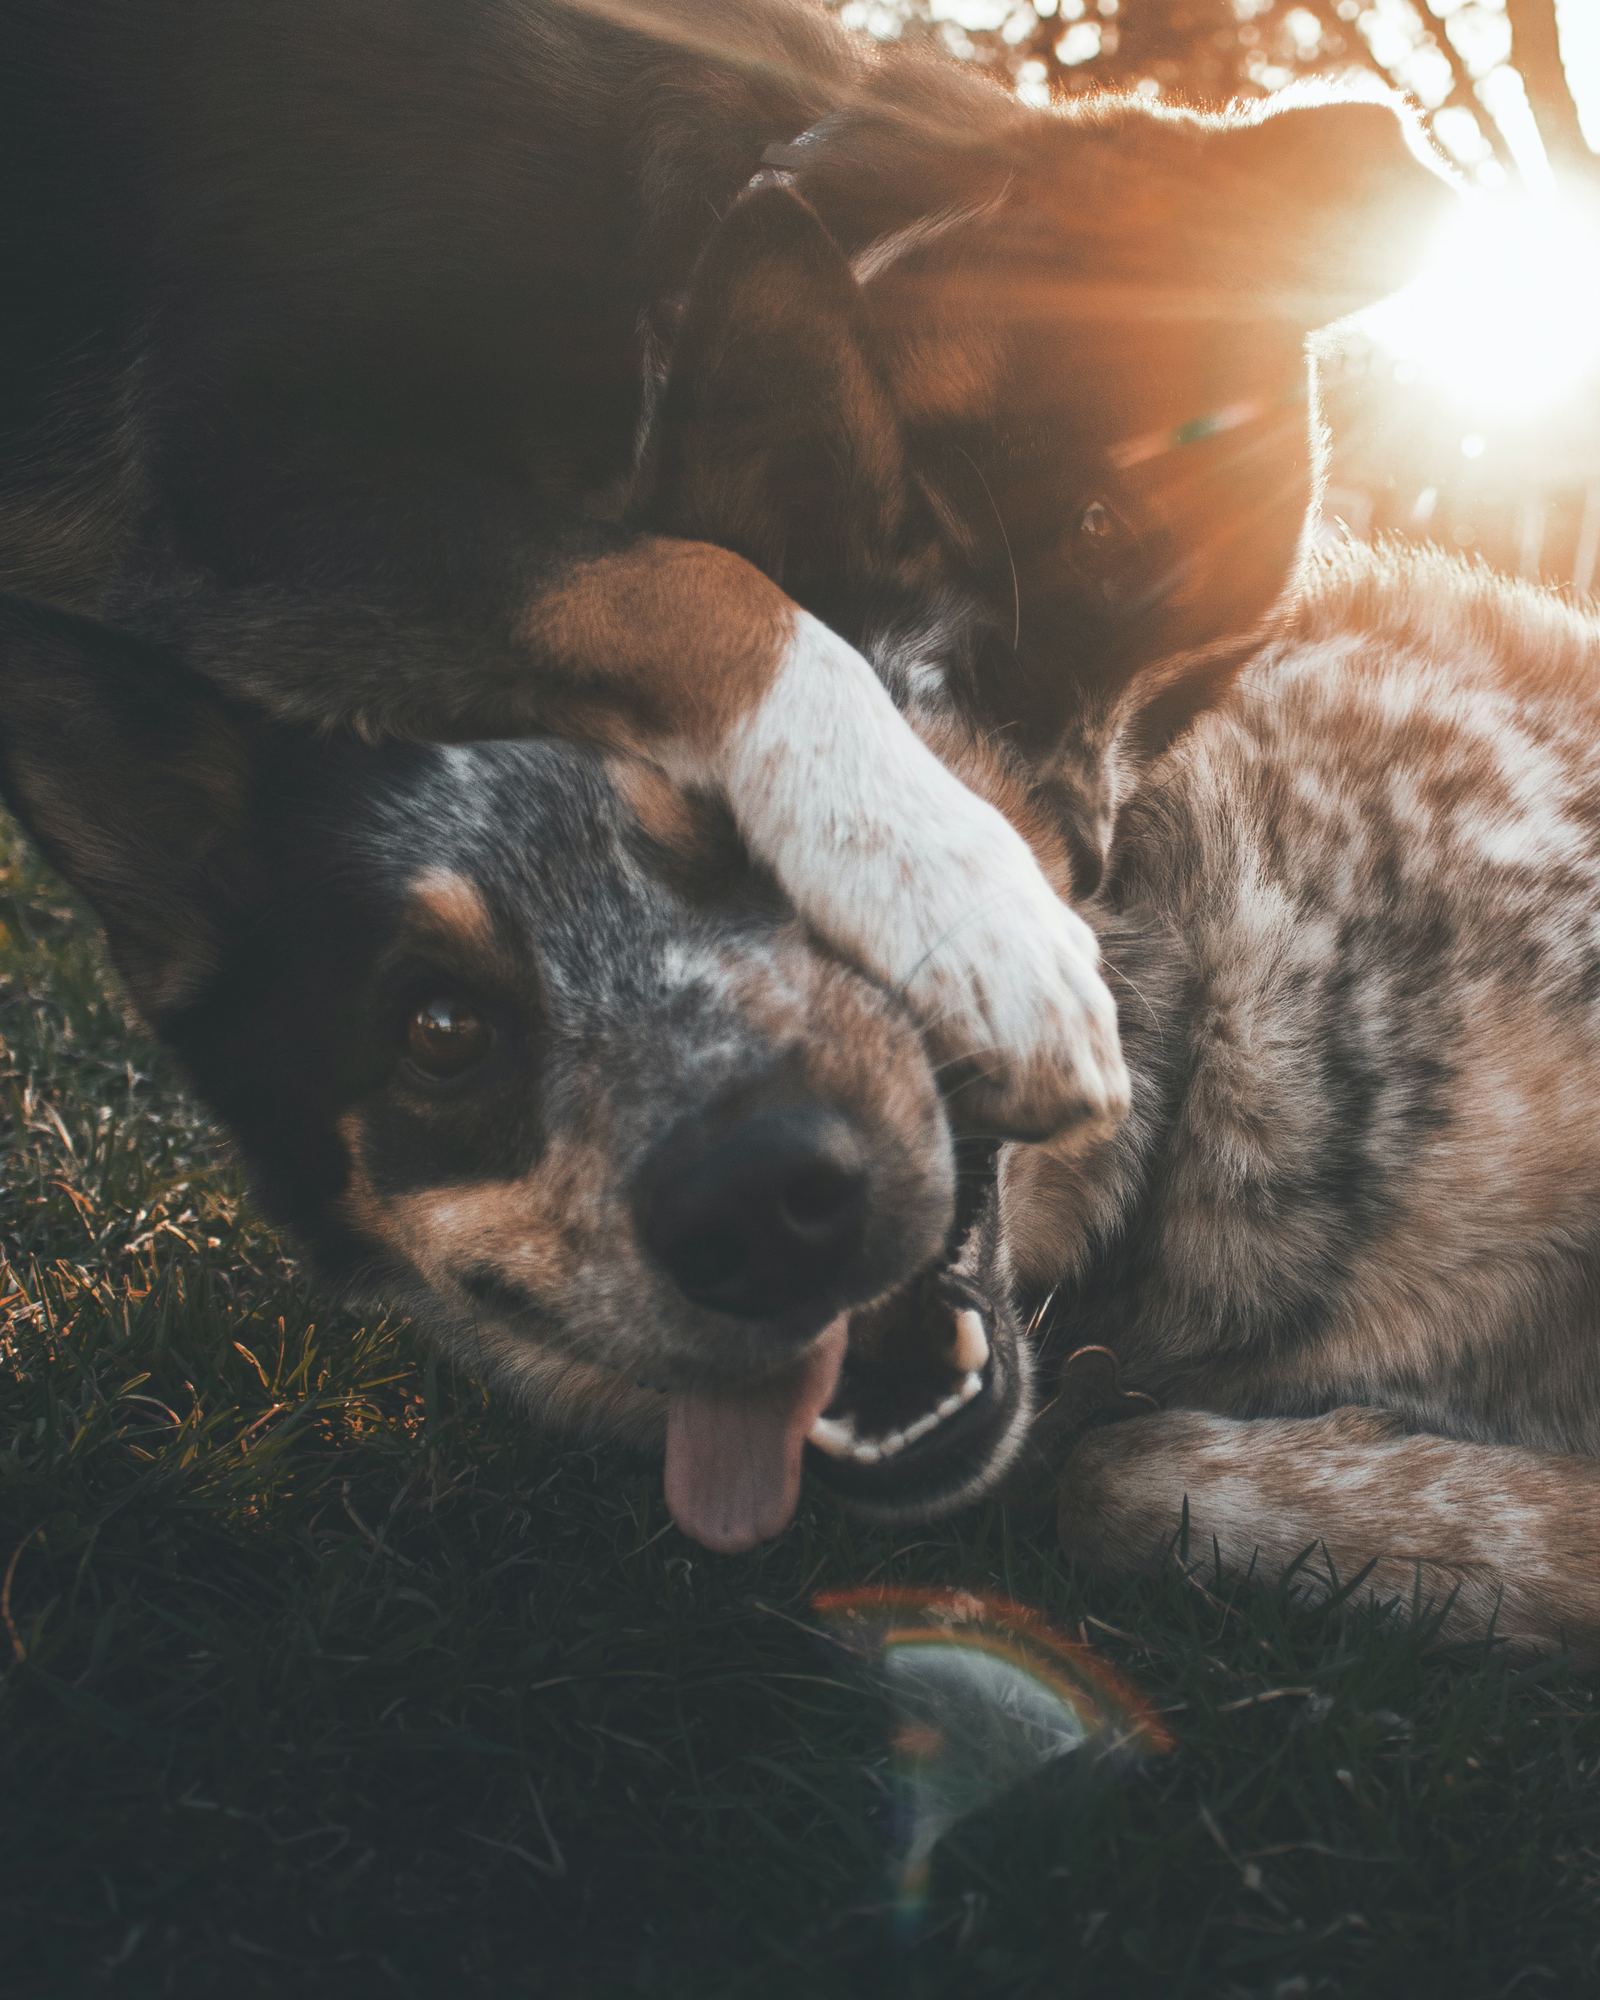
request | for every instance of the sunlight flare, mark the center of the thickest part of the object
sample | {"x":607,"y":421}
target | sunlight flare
{"x":1505,"y":317}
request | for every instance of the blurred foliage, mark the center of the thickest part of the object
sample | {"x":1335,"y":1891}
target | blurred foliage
{"x":1472,"y":64}
{"x":1184,"y":48}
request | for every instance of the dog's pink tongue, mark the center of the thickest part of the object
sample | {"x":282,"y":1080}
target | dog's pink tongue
{"x":733,"y":1455}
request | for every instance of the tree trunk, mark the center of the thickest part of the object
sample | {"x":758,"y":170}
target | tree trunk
{"x":1536,"y":52}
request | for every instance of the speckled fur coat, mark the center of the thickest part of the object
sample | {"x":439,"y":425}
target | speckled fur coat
{"x":1351,"y":1236}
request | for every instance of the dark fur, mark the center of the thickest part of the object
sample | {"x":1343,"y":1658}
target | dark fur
{"x":322,"y":327}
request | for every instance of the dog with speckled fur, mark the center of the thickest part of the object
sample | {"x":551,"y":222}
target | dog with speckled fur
{"x":1350,"y":1239}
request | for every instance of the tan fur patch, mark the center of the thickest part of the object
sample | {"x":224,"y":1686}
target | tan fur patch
{"x":517,"y":1228}
{"x":983,"y":767}
{"x":512,"y":1228}
{"x":670,"y":818}
{"x":665,"y":637}
{"x":945,"y":373}
{"x":453,"y":905}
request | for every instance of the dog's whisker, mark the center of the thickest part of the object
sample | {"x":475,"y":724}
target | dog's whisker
{"x":1005,"y":543}
{"x":1118,"y":975}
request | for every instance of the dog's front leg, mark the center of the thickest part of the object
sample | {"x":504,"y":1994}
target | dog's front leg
{"x":1510,"y":1538}
{"x":891,"y":858}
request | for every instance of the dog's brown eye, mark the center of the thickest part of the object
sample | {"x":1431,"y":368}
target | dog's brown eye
{"x":446,"y":1036}
{"x":1103,"y":551}
{"x":1099,"y":530}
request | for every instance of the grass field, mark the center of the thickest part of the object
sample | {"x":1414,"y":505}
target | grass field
{"x":321,"y":1674}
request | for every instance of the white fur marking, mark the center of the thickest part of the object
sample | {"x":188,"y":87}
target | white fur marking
{"x":917,"y":879}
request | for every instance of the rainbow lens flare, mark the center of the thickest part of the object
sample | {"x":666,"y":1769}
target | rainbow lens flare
{"x":983,"y":1694}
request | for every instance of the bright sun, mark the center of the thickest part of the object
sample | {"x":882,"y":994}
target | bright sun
{"x":1505,"y":317}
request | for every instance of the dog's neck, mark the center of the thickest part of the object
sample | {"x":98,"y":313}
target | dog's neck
{"x":1151,"y":973}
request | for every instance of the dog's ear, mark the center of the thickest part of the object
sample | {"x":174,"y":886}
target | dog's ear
{"x":135,"y":780}
{"x":777,"y":437}
{"x":1334,"y":200}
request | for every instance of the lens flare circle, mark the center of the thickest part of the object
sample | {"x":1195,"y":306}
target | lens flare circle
{"x":983,"y":1694}
{"x":1504,"y":318}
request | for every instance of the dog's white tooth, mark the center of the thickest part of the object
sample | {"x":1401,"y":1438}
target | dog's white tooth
{"x":972,"y":1343}
{"x":865,"y":1452}
{"x":953,"y":1402}
{"x":921,"y":1427}
{"x":895,"y":1441}
{"x":834,"y":1435}
{"x":972,"y":1386}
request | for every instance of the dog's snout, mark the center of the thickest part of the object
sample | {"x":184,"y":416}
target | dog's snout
{"x":755,"y":1212}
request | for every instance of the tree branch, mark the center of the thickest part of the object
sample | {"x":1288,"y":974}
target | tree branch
{"x":1464,"y":94}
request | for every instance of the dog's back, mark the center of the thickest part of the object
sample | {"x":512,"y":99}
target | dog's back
{"x":1361,"y":901}
{"x":410,"y":228}
{"x":1390,"y":1162}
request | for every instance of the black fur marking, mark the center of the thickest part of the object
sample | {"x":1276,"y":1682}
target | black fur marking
{"x":498,"y":1293}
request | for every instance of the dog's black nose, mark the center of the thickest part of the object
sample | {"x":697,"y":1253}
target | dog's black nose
{"x":756,"y":1211}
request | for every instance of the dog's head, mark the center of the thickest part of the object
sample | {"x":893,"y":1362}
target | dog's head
{"x":516,"y":1034}
{"x":1081,"y":339}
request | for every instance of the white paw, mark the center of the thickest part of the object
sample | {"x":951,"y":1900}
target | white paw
{"x":927,"y":887}
{"x":1010,"y":989}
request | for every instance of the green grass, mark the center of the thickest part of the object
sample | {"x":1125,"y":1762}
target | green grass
{"x":323,"y":1674}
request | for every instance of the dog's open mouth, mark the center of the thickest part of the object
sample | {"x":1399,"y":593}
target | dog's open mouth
{"x":928,"y":1392}
{"x":841,"y":1433}
{"x":904,"y":1407}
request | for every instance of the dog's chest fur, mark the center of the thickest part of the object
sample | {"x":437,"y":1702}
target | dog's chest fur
{"x":1357,"y":939}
